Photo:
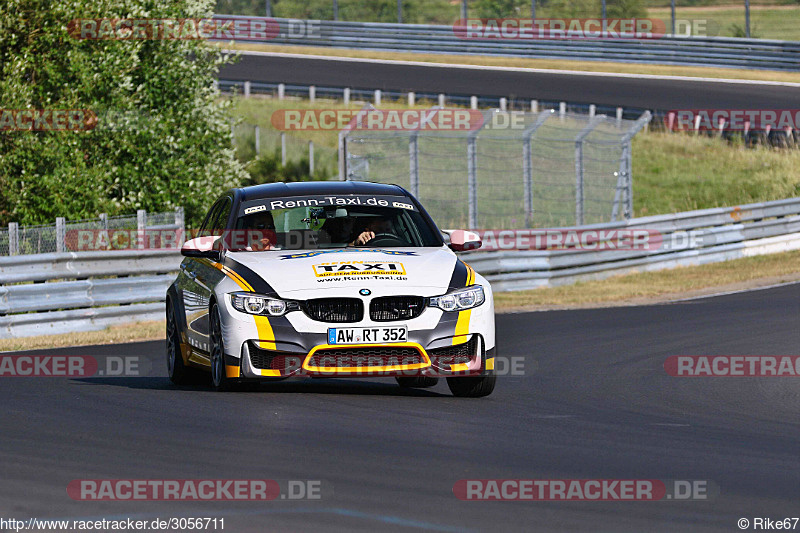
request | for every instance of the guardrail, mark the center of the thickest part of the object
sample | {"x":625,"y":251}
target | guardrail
{"x":699,"y":51}
{"x":79,"y":291}
{"x":704,"y":236}
{"x":82,"y":291}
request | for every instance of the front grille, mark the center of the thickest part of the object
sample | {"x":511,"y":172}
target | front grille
{"x":336,"y":310}
{"x":389,"y":308}
{"x":366,"y":357}
{"x":274,"y":360}
{"x":453,"y":355}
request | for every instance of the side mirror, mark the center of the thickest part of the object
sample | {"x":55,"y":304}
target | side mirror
{"x":462,"y":241}
{"x":201,"y":247}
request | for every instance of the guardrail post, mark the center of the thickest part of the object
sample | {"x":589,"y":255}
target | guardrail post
{"x":347,"y":96}
{"x":562,"y":110}
{"x":527,"y":164}
{"x":579,"y":181}
{"x":473,"y":102}
{"x":257,"y":139}
{"x":311,"y":158}
{"x":61,"y":233}
{"x":377,"y":97}
{"x":592,"y":110}
{"x":442,"y":99}
{"x":13,"y":238}
{"x":312,"y":93}
{"x":413,"y":162}
{"x":141,"y":226}
{"x":103,"y":218}
{"x":247,"y":89}
{"x":534,"y":106}
{"x":281,"y":91}
{"x":503,"y":104}
{"x":619,"y":117}
{"x":412,"y":99}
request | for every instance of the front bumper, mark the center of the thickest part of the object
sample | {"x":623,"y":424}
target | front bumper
{"x":439,"y":344}
{"x":367,"y":360}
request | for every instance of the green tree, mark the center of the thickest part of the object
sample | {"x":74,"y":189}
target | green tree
{"x":162,"y":137}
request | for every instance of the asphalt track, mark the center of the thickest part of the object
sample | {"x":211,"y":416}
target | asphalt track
{"x":594,"y":402}
{"x":627,"y":91}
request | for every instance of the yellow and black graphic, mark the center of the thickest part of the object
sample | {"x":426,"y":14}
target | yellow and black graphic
{"x":338,"y":269}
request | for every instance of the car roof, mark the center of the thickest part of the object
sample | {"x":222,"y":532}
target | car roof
{"x":306,"y":188}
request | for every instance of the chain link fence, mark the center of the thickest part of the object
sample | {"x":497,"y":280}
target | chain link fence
{"x":518,"y":170}
{"x":26,"y":240}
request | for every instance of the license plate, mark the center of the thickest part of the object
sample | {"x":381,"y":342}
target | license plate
{"x":377,"y":335}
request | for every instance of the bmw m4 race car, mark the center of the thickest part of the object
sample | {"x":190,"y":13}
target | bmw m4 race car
{"x":329,"y":279}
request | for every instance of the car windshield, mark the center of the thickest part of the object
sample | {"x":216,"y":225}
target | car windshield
{"x":310,"y":223}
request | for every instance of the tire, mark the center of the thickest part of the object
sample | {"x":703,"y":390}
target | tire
{"x":416,"y":382}
{"x":178,"y":372}
{"x":219,"y":378}
{"x":472,"y":387}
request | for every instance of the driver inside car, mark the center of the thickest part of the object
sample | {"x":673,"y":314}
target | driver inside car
{"x":374,"y":227}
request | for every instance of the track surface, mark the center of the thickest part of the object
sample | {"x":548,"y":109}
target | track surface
{"x":587,"y":89}
{"x":595,"y":403}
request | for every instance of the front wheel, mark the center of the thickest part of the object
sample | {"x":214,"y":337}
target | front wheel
{"x":176,"y":369}
{"x":219,"y":377}
{"x":472,"y":387}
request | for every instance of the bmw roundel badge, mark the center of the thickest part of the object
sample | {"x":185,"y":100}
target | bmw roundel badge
{"x":365,"y":292}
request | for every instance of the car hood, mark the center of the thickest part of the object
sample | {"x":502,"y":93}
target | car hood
{"x":331,"y":273}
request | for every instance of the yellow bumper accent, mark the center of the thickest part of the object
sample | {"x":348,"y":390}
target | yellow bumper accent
{"x":366,"y":369}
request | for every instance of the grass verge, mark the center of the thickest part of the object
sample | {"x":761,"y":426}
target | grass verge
{"x":549,"y":64}
{"x":139,"y":331}
{"x":653,"y":287}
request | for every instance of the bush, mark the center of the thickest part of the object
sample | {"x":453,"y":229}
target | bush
{"x":162,"y":138}
{"x":268,"y":169}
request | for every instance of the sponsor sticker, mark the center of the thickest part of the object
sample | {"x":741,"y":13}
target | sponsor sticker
{"x":255,"y":209}
{"x":358,"y":268}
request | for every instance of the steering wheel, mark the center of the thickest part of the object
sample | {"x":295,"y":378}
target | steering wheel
{"x":385,"y":239}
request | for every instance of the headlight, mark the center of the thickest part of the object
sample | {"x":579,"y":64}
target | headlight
{"x":460,"y":299}
{"x":254,"y":304}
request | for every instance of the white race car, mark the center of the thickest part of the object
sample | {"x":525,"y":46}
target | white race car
{"x":328,"y":279}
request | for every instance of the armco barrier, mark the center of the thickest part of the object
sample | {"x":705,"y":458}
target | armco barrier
{"x":701,"y":51}
{"x":88,"y":291}
{"x":80,"y":291}
{"x":718,"y":234}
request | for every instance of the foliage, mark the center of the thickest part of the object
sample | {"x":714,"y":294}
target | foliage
{"x":268,"y":169}
{"x":162,"y":138}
